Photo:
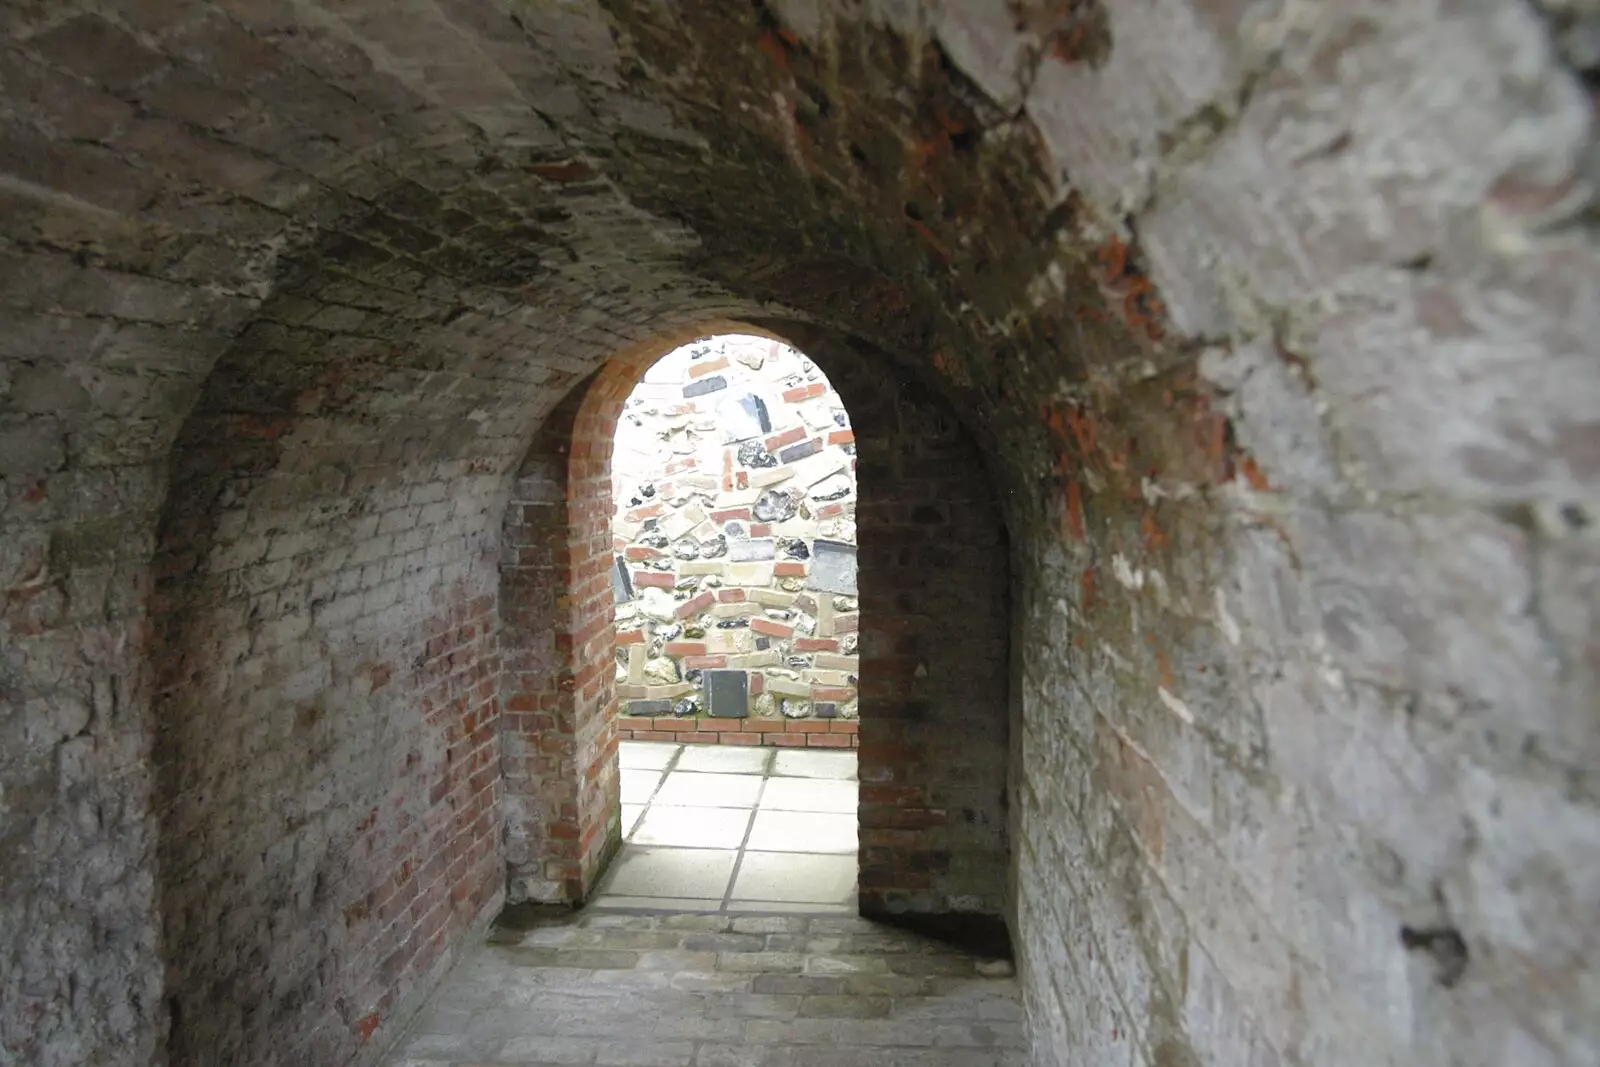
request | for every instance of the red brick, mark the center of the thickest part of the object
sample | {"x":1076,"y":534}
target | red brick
{"x":815,"y":644}
{"x":804,"y":392}
{"x":845,"y":726}
{"x":828,"y":741}
{"x":787,"y":437}
{"x":771,"y":628}
{"x":730,"y":596}
{"x":842,"y":437}
{"x":695,"y":605}
{"x":630,"y":637}
{"x":831,"y":693}
{"x":701,"y":369}
{"x":740,"y":739}
{"x":684,"y":648}
{"x":808,"y":726}
{"x":638,"y":552}
{"x":789,"y":569}
{"x":729,"y":514}
{"x":659,"y":579}
{"x":760,"y":529}
{"x":704,"y":662}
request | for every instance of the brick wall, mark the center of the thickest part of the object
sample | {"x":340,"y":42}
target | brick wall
{"x":934,"y":662}
{"x":1274,"y":323}
{"x":327,"y":755}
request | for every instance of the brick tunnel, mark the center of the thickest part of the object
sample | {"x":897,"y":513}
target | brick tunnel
{"x":1229,"y":468}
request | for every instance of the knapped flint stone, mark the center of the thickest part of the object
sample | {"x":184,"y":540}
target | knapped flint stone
{"x":732,"y":624}
{"x":668,"y":633}
{"x":825,"y":709}
{"x":688,"y":548}
{"x":621,"y":583}
{"x":727,"y":694}
{"x":754,"y":454}
{"x":795,"y":548}
{"x":775,"y":506}
{"x":839,"y":418}
{"x":760,"y":548}
{"x":661,"y":671}
{"x":647,"y":491}
{"x":693,"y":675}
{"x":795,"y":709}
{"x":705,"y":385}
{"x":799,"y":661}
{"x":688,"y":581}
{"x":836,"y":487}
{"x":735,"y":529}
{"x":717,"y":546}
{"x":649,"y":707}
{"x":654,"y":540}
{"x":833,"y":567}
{"x":686,"y":707}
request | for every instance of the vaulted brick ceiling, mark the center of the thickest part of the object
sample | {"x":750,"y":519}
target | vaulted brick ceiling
{"x":1272,"y":324}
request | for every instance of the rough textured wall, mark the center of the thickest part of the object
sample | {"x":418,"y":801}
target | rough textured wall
{"x":1273,"y":320}
{"x":734,"y":480}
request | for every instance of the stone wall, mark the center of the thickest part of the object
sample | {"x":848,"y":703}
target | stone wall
{"x":1269,"y":326}
{"x":734,"y":478}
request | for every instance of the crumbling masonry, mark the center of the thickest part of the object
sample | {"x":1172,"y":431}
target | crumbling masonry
{"x":1223,"y":382}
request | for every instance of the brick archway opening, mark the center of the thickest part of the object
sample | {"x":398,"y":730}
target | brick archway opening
{"x":933,"y":647}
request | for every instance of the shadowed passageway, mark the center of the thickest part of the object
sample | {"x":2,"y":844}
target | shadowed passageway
{"x":1222,"y":401}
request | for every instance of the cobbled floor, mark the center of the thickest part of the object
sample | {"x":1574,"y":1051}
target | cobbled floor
{"x":715,"y":990}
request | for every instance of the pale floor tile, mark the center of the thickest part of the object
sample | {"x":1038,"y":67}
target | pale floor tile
{"x":638,"y":785}
{"x":671,"y":872}
{"x":612,"y":900}
{"x":644,"y":755}
{"x":725,"y":760}
{"x":787,"y":907}
{"x":693,"y":827}
{"x":804,"y":831}
{"x":809,"y":794}
{"x":693,"y":789}
{"x":796,"y":878}
{"x":630,"y":817}
{"x":805,"y":764}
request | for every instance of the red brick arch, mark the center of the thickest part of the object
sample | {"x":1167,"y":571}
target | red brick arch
{"x":933,"y":692}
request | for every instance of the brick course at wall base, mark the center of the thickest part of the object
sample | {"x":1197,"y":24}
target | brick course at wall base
{"x":782,"y":733}
{"x":1266,"y":330}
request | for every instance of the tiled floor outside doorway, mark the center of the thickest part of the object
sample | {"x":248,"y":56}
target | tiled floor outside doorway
{"x":734,"y":829}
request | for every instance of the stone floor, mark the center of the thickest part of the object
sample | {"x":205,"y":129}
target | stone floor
{"x":724,"y":828}
{"x":714,"y":990}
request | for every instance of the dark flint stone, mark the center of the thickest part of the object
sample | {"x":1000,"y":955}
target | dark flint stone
{"x":732,"y":624}
{"x":825,"y":710}
{"x":794,"y":548}
{"x":621,"y":583}
{"x":686,"y":707}
{"x":754,"y":454}
{"x":705,"y":385}
{"x":717,"y":546}
{"x":649,"y":707}
{"x":800,"y":451}
{"x":763,"y":643}
{"x":654,"y":540}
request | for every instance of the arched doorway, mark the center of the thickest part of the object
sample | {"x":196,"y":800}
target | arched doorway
{"x":932,"y":644}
